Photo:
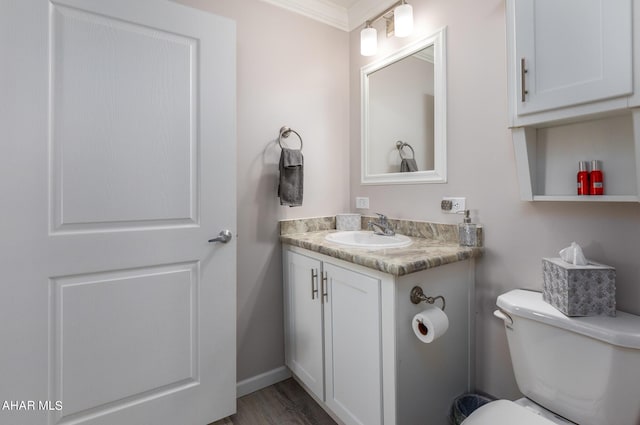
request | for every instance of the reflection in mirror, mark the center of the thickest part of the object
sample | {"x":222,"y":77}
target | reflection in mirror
{"x":403,"y":115}
{"x":401,"y":110}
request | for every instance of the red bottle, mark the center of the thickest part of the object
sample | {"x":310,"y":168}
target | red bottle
{"x":596,"y":185}
{"x":583,"y":178}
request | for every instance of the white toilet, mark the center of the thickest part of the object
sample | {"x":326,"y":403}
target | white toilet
{"x":571,"y":370}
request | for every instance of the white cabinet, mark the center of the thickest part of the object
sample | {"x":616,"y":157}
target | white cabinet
{"x":573,"y":96}
{"x":346,"y":305}
{"x":352,"y":347}
{"x":303,"y":316}
{"x":568,"y":58}
{"x":353,"y":343}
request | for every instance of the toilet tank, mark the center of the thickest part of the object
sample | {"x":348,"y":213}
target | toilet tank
{"x":584,"y":369}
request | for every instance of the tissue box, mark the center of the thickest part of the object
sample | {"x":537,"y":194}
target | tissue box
{"x":348,"y":222}
{"x":579,"y":290}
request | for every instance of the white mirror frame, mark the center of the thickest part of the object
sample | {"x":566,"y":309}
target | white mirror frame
{"x":439,"y":173}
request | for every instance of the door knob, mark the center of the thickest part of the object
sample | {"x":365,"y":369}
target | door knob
{"x":224,"y":236}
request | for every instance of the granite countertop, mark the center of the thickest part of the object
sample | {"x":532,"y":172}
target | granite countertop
{"x":433,"y":245}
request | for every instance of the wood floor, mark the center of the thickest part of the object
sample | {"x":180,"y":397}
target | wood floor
{"x":284,"y":403}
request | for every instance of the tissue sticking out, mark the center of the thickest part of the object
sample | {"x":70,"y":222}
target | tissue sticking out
{"x":573,"y":255}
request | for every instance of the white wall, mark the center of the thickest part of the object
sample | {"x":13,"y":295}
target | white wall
{"x":291,"y":71}
{"x":481,"y":167}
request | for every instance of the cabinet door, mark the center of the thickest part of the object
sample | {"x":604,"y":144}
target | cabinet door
{"x":353,"y":357}
{"x":573,"y":51}
{"x":303,"y":320}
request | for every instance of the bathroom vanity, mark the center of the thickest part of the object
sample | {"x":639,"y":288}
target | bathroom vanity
{"x":348,"y":335}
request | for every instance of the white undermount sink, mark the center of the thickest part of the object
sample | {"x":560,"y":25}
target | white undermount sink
{"x":368,"y":239}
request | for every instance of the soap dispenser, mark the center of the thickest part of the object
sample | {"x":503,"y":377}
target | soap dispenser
{"x":467,"y":234}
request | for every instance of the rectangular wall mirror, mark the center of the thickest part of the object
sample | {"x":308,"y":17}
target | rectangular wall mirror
{"x":404,"y":112}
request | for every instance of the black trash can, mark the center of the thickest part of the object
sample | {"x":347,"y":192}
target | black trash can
{"x":465,"y":405}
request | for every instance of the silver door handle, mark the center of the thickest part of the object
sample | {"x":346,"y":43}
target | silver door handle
{"x":325,"y":287}
{"x":224,"y":237}
{"x":314,"y":284}
{"x":523,"y":75}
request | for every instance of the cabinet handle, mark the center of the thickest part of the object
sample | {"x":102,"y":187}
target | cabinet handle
{"x":314,"y":284}
{"x":325,"y":287}
{"x":523,"y":72}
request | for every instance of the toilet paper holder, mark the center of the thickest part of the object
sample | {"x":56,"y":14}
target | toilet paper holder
{"x":417,"y":296}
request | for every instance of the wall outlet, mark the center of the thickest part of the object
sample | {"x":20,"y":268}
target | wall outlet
{"x":453,"y":205}
{"x":362,"y":202}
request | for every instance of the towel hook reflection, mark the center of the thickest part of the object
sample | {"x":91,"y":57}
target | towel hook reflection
{"x":286,"y":132}
{"x":400,"y":145}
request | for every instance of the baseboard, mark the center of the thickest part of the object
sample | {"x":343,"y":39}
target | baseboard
{"x":263,"y":380}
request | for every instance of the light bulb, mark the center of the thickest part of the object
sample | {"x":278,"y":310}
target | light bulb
{"x":368,"y":41}
{"x":403,"y":20}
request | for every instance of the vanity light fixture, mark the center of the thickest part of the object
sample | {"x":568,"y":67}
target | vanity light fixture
{"x":399,"y":18}
{"x":368,"y":40}
{"x":403,"y":20}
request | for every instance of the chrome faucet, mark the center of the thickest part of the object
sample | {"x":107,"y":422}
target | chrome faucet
{"x":382,"y":226}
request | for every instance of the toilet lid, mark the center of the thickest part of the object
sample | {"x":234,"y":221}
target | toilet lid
{"x":505,"y":412}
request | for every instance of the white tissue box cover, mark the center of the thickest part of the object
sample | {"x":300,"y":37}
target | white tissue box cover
{"x":348,"y":222}
{"x":579,"y":290}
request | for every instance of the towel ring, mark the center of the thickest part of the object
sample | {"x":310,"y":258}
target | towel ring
{"x":285,"y":132}
{"x":401,"y":145}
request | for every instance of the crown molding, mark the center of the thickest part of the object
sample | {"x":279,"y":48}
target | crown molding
{"x":330,"y":13}
{"x":365,"y":9}
{"x":319,"y":10}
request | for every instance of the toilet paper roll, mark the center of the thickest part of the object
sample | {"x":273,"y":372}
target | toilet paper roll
{"x":430,"y":324}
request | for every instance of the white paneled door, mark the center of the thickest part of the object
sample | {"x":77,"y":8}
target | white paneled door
{"x":117,"y":165}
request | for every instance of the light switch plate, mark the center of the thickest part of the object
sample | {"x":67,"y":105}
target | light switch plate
{"x":362,"y":202}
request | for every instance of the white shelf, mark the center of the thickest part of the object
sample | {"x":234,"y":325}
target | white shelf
{"x":547,"y":158}
{"x":598,"y":198}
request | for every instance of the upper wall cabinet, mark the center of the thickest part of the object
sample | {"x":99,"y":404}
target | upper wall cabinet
{"x":573,"y":95}
{"x":569,"y":59}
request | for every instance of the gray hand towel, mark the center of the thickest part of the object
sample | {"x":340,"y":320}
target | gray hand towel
{"x":291,"y":185}
{"x":408,"y":165}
